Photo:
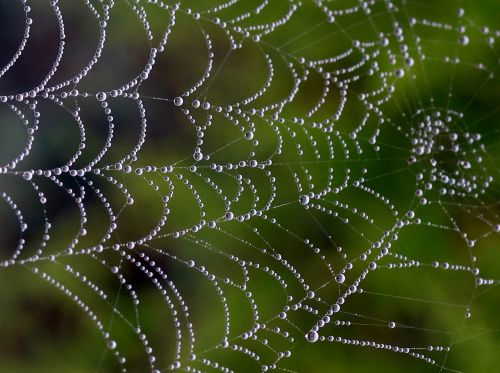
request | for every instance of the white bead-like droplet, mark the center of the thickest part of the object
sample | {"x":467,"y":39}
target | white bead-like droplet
{"x":176,"y":365}
{"x":399,"y":73}
{"x":178,"y":101}
{"x":101,"y":96}
{"x":111,"y":345}
{"x":392,"y":324}
{"x":304,"y":199}
{"x":312,"y":336}
{"x":463,"y":40}
{"x":28,"y":175}
{"x":340,"y":278}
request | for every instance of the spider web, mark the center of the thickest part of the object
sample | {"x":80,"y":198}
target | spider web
{"x":237,"y":186}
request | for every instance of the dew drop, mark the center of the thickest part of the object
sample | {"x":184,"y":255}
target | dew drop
{"x":463,"y":40}
{"x":178,"y":101}
{"x":304,"y":200}
{"x":101,"y":96}
{"x":399,"y":73}
{"x":312,"y":336}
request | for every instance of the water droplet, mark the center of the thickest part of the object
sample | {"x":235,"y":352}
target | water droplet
{"x":312,"y":336}
{"x":304,"y":199}
{"x":178,"y":101}
{"x":463,"y":40}
{"x":409,"y":61}
{"x":340,"y":278}
{"x":101,"y":96}
{"x":399,"y":73}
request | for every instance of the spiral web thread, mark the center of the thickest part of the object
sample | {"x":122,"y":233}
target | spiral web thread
{"x":304,"y":188}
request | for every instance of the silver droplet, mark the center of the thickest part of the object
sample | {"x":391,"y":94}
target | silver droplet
{"x":178,"y":101}
{"x":304,"y":199}
{"x":312,"y":336}
{"x":101,"y":96}
{"x":340,"y":278}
